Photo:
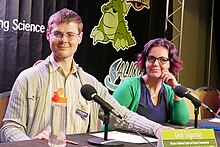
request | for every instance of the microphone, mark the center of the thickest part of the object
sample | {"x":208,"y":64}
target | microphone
{"x":182,"y":91}
{"x":90,"y":93}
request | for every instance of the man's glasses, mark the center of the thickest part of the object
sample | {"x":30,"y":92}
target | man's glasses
{"x":152,"y":59}
{"x":70,"y":35}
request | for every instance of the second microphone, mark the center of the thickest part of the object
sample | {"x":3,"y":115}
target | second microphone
{"x":90,"y":93}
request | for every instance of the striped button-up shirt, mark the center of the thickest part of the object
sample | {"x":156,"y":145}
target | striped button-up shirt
{"x":28,"y":111}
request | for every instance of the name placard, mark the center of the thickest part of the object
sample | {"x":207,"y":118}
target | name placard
{"x":190,"y":137}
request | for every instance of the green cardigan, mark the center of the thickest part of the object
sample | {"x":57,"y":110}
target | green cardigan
{"x":128,"y":95}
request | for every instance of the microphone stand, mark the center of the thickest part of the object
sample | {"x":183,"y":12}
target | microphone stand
{"x":196,"y":111}
{"x":105,"y":122}
{"x":106,"y":141}
{"x":197,"y":104}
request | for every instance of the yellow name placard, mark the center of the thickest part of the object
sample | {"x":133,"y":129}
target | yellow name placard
{"x":189,"y":137}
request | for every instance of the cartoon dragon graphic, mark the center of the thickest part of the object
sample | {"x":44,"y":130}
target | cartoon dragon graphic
{"x":113,"y":27}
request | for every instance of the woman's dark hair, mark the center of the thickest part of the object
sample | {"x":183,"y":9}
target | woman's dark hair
{"x":175,"y":62}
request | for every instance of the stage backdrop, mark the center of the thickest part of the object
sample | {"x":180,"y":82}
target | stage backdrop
{"x":114,"y":32}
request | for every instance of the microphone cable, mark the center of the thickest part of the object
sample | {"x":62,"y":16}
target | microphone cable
{"x":145,"y":138}
{"x":140,"y":134}
{"x":210,"y":110}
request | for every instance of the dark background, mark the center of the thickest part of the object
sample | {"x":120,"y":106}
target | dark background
{"x":20,"y":50}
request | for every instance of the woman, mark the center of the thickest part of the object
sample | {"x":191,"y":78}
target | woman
{"x":151,"y":95}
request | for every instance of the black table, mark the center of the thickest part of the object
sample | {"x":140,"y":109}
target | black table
{"x":82,"y":139}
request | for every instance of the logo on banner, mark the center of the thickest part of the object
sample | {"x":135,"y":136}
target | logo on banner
{"x":119,"y":71}
{"x":16,"y":25}
{"x":112,"y":25}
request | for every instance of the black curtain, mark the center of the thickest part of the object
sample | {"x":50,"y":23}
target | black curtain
{"x":21,"y":49}
{"x":216,"y":38}
{"x":157,"y":18}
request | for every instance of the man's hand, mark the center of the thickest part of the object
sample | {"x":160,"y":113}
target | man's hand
{"x":158,"y":131}
{"x":42,"y":135}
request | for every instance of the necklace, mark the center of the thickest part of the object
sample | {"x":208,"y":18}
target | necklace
{"x":153,"y":95}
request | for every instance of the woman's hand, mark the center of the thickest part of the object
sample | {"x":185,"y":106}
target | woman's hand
{"x":169,"y":78}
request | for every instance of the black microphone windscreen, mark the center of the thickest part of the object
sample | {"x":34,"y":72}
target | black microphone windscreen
{"x":180,"y":91}
{"x":87,"y":91}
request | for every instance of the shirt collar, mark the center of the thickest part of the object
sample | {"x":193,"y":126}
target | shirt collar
{"x":54,"y":66}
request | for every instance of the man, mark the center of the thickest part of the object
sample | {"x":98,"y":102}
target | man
{"x":28,"y":112}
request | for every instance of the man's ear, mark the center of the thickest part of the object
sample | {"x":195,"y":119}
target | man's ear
{"x":48,"y":34}
{"x":80,"y":37}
